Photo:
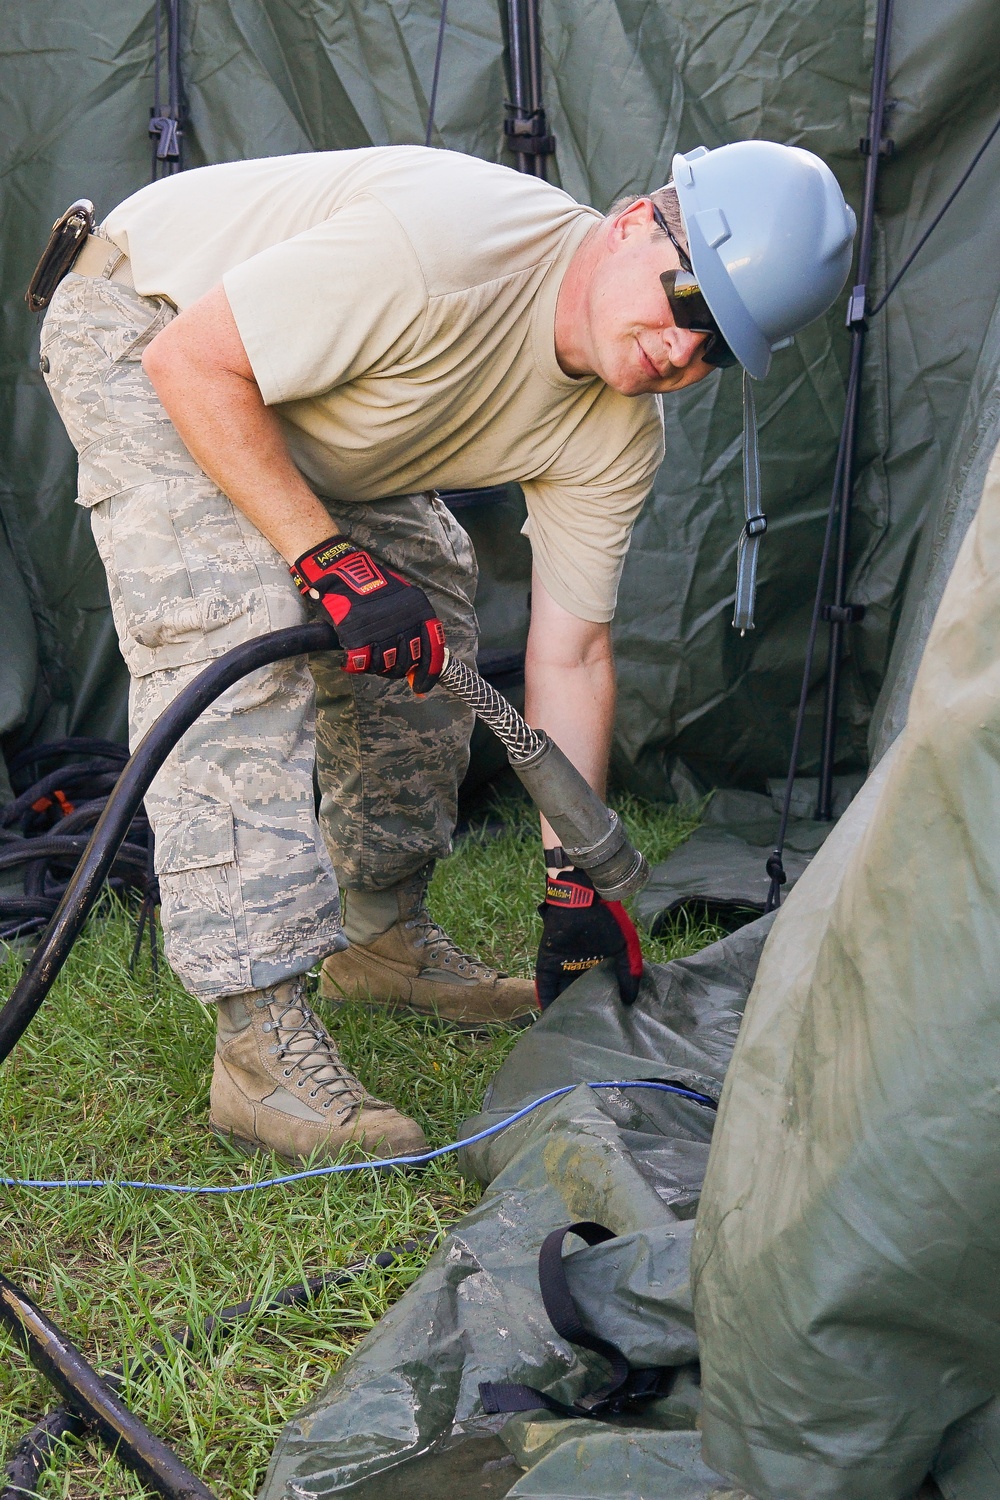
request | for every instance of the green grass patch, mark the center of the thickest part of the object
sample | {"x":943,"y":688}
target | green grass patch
{"x":111,"y":1080}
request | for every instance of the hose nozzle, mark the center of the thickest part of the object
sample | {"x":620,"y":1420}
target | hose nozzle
{"x":592,"y":835}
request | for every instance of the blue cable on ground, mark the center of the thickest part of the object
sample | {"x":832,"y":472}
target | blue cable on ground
{"x":358,"y":1166}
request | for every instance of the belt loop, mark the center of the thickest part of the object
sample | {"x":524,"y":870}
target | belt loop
{"x":112,"y":265}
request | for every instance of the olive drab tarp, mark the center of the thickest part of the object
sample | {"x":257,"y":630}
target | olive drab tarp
{"x":722,"y":868}
{"x":625,"y":87}
{"x":846,"y":1277}
{"x":847,"y":1264}
{"x":402,"y":1417}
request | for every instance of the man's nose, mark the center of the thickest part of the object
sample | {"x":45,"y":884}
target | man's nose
{"x":684,"y":345}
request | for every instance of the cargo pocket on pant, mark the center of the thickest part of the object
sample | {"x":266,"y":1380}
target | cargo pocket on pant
{"x":204,"y":921}
{"x":188,"y":580}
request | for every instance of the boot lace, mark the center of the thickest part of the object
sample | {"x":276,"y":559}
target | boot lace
{"x":306,"y":1048}
{"x":442,"y":952}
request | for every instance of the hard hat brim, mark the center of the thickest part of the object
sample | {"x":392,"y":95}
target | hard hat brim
{"x":739,"y":330}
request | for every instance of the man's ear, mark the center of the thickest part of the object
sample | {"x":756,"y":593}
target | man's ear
{"x":637,"y":219}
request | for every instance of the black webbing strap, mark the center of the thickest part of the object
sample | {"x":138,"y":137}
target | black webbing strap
{"x":626,"y":1386}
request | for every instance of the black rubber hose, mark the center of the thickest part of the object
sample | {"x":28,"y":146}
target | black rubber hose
{"x":103,"y":774}
{"x":34,"y":1452}
{"x":77,"y":745}
{"x":59,"y":1360}
{"x":65,"y":848}
{"x":86,"y":814}
{"x":125,"y":801}
{"x":26,"y":909}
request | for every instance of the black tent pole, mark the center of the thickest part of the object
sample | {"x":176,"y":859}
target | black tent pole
{"x":533,"y":44}
{"x":525,"y":127}
{"x":839,"y":613}
{"x":518,"y":82}
{"x":165,"y":125}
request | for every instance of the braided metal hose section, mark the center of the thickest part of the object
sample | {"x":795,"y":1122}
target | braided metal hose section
{"x":521,"y":741}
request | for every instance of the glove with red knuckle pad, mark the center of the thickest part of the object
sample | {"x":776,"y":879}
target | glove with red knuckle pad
{"x":579,"y":929}
{"x":384,"y":624}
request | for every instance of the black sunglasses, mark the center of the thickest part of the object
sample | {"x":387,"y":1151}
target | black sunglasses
{"x":688,"y":305}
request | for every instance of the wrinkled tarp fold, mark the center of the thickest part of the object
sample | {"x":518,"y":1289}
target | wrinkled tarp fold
{"x":722,"y":868}
{"x":631,"y":1159}
{"x":846,"y":1259}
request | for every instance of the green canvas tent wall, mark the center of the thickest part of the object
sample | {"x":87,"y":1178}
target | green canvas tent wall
{"x":625,"y":86}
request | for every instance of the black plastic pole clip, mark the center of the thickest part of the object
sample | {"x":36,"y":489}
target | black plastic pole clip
{"x":167,"y":133}
{"x":856,"y":305}
{"x":527,"y":132}
{"x":843,"y":614}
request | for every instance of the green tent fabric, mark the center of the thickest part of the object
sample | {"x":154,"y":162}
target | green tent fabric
{"x":846,"y":1260}
{"x":843,"y":1353}
{"x":625,"y":86}
{"x":722,"y":868}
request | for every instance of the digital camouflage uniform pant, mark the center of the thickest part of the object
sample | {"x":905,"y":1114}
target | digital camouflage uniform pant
{"x":247,"y":883}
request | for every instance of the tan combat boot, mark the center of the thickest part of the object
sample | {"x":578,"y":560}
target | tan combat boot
{"x":279,"y":1085}
{"x":400,"y":958}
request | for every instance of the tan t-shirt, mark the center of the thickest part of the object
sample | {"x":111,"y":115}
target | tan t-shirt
{"x":397,"y":306}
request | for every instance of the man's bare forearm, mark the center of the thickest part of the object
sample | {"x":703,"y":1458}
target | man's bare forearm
{"x":570,"y":688}
{"x":200,"y":371}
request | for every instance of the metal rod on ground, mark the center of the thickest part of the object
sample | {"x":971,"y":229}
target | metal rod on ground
{"x":839,"y":612}
{"x":31,"y":1457}
{"x":59,"y":1360}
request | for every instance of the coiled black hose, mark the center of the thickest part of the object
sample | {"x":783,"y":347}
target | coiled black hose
{"x":35,"y":826}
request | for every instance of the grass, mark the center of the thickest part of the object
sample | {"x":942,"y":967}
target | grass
{"x":111,"y":1080}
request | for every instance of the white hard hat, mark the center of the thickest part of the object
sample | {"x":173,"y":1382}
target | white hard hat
{"x":770,"y":240}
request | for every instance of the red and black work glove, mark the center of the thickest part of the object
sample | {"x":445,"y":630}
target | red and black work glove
{"x":579,"y":929}
{"x":385,"y":625}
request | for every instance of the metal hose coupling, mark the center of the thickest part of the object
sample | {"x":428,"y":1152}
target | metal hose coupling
{"x":592,"y":835}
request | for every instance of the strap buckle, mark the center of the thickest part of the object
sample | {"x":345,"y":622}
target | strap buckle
{"x":756,"y":525}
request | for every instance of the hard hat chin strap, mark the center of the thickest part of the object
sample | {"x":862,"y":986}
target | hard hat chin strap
{"x":756,"y":521}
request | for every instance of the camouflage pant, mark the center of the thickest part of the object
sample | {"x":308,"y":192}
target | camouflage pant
{"x":249,"y":893}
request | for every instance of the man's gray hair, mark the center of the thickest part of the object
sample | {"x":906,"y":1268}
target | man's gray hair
{"x":666,"y":201}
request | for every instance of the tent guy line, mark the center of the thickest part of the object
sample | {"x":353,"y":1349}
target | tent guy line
{"x":420,"y":1159}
